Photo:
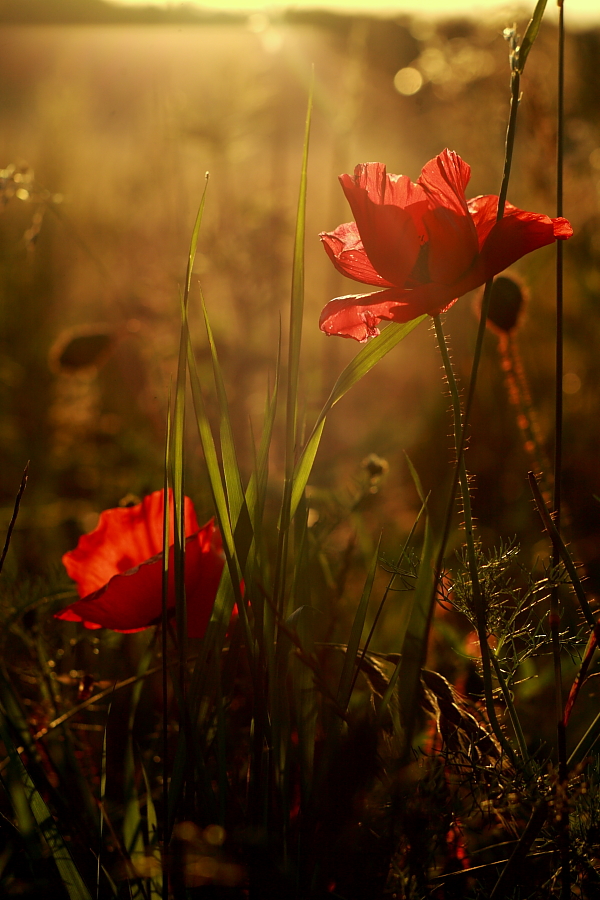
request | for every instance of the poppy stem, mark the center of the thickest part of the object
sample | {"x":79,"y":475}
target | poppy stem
{"x":515,"y":84}
{"x":478,"y":598}
{"x":563,"y":820}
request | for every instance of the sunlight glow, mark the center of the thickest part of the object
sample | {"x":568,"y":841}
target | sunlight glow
{"x":578,"y":12}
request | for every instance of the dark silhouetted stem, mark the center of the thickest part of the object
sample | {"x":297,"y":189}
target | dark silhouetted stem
{"x":478,"y":599}
{"x":563,"y":822}
{"x":461,"y":439}
{"x":13,"y":519}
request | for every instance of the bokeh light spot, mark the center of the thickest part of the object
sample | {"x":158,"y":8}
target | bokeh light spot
{"x":408,"y":81}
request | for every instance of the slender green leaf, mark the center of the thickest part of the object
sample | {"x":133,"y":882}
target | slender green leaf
{"x":177,"y":457}
{"x":352,"y":651}
{"x":132,"y":823}
{"x":531,"y":33}
{"x":293,"y":369}
{"x":156,"y":879}
{"x":257,"y":486}
{"x":194,"y":242}
{"x":233,"y":481}
{"x":68,"y":871}
{"x":414,"y":646}
{"x":177,"y":467}
{"x":210,"y":455}
{"x":362,"y":363}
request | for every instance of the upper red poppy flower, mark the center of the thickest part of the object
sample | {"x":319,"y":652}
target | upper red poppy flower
{"x":118,"y":569}
{"x":423,"y":243}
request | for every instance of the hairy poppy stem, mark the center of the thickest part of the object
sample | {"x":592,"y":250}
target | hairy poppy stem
{"x":478,"y":599}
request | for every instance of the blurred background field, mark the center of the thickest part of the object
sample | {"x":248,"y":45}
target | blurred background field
{"x":110,"y":129}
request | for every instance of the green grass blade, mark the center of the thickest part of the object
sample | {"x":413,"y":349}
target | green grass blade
{"x":531,"y":33}
{"x":68,"y":871}
{"x":293,"y":370}
{"x":194,"y":244}
{"x":210,"y":455}
{"x":352,"y":651}
{"x":362,"y":363}
{"x":177,"y":466}
{"x":103,"y":775}
{"x":414,"y":646}
{"x":164,"y":637}
{"x":233,"y":481}
{"x":257,"y":486}
{"x":177,"y":457}
{"x":238,"y":511}
{"x":132,"y":823}
{"x":297,"y":304}
{"x":156,"y":879}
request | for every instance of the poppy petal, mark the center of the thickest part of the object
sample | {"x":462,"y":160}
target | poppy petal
{"x":452,"y":235}
{"x":444,"y":179}
{"x":123,"y":538}
{"x":132,"y":600}
{"x":388,"y":217}
{"x":518,"y":233}
{"x":483,"y":210}
{"x":357,"y":316}
{"x":345,"y":250}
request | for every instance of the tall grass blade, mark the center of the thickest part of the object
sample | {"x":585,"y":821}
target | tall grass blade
{"x":530,"y":34}
{"x":68,"y":871}
{"x":133,"y":836}
{"x":177,"y":460}
{"x":347,"y":679}
{"x":414,"y":647}
{"x":293,"y":369}
{"x":238,"y":511}
{"x":164,"y":637}
{"x":363,"y":362}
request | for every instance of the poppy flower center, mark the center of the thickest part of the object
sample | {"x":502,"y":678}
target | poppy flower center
{"x":420,"y":271}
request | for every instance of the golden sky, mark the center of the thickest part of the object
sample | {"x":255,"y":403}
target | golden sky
{"x":577,"y":12}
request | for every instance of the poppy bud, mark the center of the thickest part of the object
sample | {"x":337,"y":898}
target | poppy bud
{"x":507,"y":301}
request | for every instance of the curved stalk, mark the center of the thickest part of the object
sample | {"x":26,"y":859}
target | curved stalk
{"x":478,"y":598}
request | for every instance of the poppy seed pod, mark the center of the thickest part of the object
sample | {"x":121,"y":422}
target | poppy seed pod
{"x":506,"y":304}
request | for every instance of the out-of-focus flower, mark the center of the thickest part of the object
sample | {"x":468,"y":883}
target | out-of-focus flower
{"x":423,"y":243}
{"x":118,"y":569}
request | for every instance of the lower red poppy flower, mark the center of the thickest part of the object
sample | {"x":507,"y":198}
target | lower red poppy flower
{"x":118,"y":569}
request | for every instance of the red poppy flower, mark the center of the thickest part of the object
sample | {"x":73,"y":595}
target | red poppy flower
{"x":118,"y":569}
{"x":423,"y":243}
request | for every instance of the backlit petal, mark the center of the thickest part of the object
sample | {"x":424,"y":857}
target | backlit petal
{"x":123,"y":538}
{"x":451,"y":231}
{"x":132,"y":600}
{"x":444,"y":179}
{"x":345,"y":250}
{"x":358,"y":316}
{"x":388,"y":217}
{"x":483,"y":211}
{"x":518,"y":233}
